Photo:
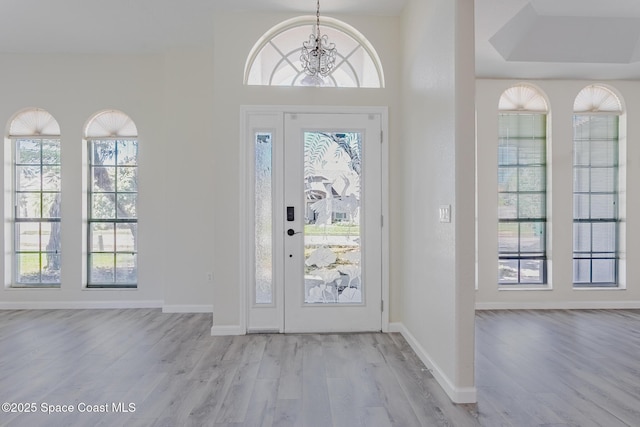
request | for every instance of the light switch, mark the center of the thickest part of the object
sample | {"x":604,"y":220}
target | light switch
{"x":445,"y":213}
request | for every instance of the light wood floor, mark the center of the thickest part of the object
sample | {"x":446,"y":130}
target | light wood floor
{"x":558,"y":368}
{"x":551,"y":368}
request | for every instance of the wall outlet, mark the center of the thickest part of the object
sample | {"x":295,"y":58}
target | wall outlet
{"x":209,"y":276}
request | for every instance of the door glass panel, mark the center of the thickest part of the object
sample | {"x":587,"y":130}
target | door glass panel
{"x":263,"y":219}
{"x":332,"y":168}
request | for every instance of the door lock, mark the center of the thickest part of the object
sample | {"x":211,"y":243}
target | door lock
{"x":290,"y":232}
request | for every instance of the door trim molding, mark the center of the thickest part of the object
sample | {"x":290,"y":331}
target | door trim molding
{"x":246,"y":217}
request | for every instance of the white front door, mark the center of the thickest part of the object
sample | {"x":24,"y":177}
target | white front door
{"x":315,"y":222}
{"x":332,"y":240}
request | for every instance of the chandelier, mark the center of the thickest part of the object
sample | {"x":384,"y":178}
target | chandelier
{"x":318,"y":55}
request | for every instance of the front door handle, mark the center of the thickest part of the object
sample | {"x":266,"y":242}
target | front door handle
{"x":290,"y":232}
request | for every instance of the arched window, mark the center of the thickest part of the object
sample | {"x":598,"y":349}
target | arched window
{"x":275,"y":58}
{"x":522,"y":187}
{"x":595,"y":187}
{"x":35,"y":144}
{"x":112,"y":144}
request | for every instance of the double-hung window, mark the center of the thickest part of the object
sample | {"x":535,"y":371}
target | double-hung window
{"x":35,"y":140}
{"x":112,"y":201}
{"x":595,"y":189}
{"x":522,"y":188}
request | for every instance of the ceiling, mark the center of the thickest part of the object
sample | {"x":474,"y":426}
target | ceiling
{"x":593,"y":39}
{"x":133,"y":26}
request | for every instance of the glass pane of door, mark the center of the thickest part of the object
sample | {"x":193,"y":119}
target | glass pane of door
{"x":332,"y":256}
{"x":263,"y":219}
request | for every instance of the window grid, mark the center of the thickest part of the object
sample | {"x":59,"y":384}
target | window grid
{"x":595,"y":194}
{"x":275,"y":58}
{"x":36,"y":212}
{"x":112,"y":222}
{"x":522,"y":199}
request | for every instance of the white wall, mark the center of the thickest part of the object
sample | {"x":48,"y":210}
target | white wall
{"x":244,"y":29}
{"x":192,"y":148}
{"x":170,"y":98}
{"x":561,"y":96}
{"x":72,"y":89}
{"x":186,"y":105}
{"x":438,"y":158}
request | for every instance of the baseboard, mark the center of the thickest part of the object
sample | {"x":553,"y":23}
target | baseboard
{"x":224,"y":330}
{"x":559,"y":305}
{"x":396,"y":327}
{"x":77,"y":305}
{"x":187,"y":308}
{"x":456,"y":394}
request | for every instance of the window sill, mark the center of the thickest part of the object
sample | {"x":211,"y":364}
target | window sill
{"x":599,"y":288}
{"x":524,"y":288}
{"x":31,"y":288}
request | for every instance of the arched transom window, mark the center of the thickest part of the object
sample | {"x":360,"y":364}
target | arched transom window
{"x":522,"y":97}
{"x":275,"y":58}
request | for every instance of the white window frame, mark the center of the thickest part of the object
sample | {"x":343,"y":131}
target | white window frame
{"x":598,"y":101}
{"x":525,"y":99}
{"x":110,"y":126}
{"x":36,"y":125}
{"x":290,"y":59}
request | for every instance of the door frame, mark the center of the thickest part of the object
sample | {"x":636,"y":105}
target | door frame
{"x":249,"y":115}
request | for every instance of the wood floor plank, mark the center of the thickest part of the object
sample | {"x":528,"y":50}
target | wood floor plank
{"x":206,"y":406}
{"x":270,"y":364}
{"x":288,"y":413}
{"x":290,"y":381}
{"x":236,"y":403}
{"x":344,"y":412}
{"x":394,"y":399}
{"x":375,"y":417}
{"x":316,"y":406}
{"x":262,"y":406}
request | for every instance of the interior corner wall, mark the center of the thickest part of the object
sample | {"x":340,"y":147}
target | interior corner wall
{"x":561,"y":95}
{"x":438,"y":157}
